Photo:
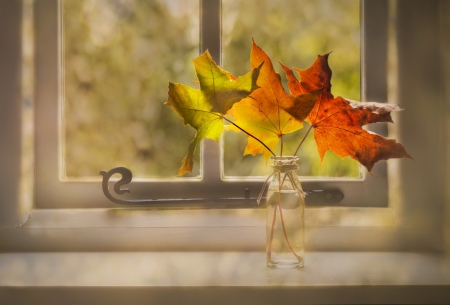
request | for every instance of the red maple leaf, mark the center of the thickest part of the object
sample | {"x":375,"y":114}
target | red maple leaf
{"x":338,"y":122}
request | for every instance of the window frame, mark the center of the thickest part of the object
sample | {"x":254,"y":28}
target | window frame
{"x":52,"y":190}
{"x":413,"y":220}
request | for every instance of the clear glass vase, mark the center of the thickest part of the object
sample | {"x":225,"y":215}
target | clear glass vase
{"x":285,"y":221}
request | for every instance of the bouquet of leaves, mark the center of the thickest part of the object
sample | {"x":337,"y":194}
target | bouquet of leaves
{"x":257,"y":104}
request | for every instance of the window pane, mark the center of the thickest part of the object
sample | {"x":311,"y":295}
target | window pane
{"x":118,"y":58}
{"x":293,"y":32}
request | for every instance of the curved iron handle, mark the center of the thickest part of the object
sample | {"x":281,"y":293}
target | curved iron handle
{"x":313,"y":197}
{"x":126,"y":178}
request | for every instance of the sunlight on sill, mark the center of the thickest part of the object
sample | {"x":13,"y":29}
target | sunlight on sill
{"x":147,"y":217}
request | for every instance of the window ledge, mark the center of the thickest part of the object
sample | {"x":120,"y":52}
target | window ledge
{"x":327,"y":229}
{"x":222,"y":278}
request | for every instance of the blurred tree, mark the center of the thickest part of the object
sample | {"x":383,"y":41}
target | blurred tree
{"x":118,"y":58}
{"x":120,"y":54}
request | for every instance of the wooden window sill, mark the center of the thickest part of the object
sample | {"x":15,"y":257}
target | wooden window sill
{"x":222,"y":278}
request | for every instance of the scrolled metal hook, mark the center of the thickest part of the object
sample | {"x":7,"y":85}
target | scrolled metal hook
{"x":127,"y":176}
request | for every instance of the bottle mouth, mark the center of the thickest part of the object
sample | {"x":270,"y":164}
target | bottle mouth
{"x":285,"y":162}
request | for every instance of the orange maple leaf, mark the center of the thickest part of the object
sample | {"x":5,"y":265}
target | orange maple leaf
{"x":338,"y":122}
{"x":262,"y":114}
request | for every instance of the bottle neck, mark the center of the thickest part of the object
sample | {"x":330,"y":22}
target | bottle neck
{"x":285,"y":164}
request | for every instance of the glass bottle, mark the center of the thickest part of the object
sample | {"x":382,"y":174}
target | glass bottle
{"x":285,"y":207}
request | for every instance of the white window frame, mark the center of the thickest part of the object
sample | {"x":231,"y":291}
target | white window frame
{"x":54,"y":191}
{"x":413,"y":218}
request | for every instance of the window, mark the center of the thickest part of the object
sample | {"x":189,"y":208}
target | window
{"x":58,"y":184}
{"x":413,"y":219}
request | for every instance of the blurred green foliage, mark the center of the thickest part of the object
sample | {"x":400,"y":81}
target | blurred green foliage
{"x":293,"y":32}
{"x":118,"y":56}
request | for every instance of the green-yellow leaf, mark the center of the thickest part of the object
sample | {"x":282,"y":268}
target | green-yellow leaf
{"x":203,"y":108}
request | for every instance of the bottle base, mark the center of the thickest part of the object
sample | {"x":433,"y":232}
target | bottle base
{"x":285,"y":264}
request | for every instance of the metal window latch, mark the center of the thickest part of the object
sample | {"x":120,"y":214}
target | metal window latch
{"x":313,"y":197}
{"x":323,"y":197}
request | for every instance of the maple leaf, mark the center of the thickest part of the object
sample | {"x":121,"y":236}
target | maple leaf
{"x":338,"y":122}
{"x":262,"y":114}
{"x":204,"y":108}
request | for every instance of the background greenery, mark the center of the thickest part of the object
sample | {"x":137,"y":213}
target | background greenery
{"x":120,"y":54}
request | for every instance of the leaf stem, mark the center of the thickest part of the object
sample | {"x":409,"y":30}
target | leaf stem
{"x":249,"y":134}
{"x":286,"y":235}
{"x":303,"y":140}
{"x":269,"y":246}
{"x":281,"y":149}
{"x":283,"y":225}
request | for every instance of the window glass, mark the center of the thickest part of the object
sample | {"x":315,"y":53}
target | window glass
{"x":293,"y":32}
{"x":118,"y":56}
